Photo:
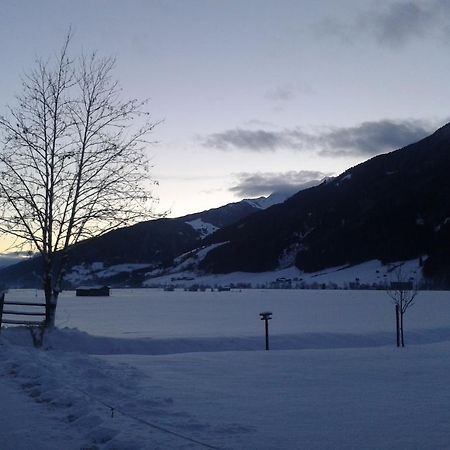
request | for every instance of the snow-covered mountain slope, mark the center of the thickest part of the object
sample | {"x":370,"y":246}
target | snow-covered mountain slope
{"x":282,"y":196}
{"x":204,"y":228}
{"x":8,"y":259}
{"x":392,"y":207}
{"x":127,"y":253}
{"x":368,"y":275}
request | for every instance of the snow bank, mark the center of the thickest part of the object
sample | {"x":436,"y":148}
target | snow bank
{"x":73,"y":340}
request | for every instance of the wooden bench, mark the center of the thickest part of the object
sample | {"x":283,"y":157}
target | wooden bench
{"x":24,"y":317}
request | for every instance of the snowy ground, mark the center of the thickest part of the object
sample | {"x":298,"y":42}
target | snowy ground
{"x":147,"y":369}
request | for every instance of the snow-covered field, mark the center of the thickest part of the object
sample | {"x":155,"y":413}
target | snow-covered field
{"x":148,"y":369}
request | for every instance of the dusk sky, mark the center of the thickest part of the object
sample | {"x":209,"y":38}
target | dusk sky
{"x":254,"y":95}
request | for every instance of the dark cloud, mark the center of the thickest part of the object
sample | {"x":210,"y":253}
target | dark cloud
{"x":265,"y":183}
{"x":371,"y":138}
{"x":395,"y":24}
{"x":402,"y":21}
{"x":256,"y":140}
{"x":192,"y":177}
{"x":365,"y":139}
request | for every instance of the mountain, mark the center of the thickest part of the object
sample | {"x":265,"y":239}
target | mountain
{"x":393,"y":207}
{"x":8,"y":259}
{"x":133,"y":250}
{"x":281,"y":196}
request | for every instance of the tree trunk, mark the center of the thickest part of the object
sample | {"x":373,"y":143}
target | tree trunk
{"x":397,"y":324}
{"x":401,"y":329}
{"x":51,"y":299}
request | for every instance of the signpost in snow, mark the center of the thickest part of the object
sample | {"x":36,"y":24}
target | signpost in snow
{"x":266,"y":316}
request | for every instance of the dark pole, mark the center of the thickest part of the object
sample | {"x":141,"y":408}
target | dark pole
{"x":266,"y":316}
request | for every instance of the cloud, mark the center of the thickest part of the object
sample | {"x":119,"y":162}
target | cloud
{"x":256,"y":140}
{"x":402,"y":21}
{"x":284,"y":93}
{"x":194,"y":177}
{"x":365,"y":139}
{"x":371,"y":138}
{"x":395,"y":24}
{"x":265,"y":183}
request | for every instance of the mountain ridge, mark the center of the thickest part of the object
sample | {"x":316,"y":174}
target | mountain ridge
{"x":153,"y":243}
{"x":392,"y":207}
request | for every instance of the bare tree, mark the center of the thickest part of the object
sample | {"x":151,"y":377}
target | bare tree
{"x":402,"y":292}
{"x":73,"y":162}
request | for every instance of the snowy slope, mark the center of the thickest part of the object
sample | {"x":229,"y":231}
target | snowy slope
{"x":8,"y":259}
{"x":151,"y":244}
{"x":392,"y":207}
{"x":280,"y":197}
{"x":204,"y":228}
{"x":368,"y":274}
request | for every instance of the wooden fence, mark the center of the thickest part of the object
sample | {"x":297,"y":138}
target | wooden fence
{"x":10,"y":314}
